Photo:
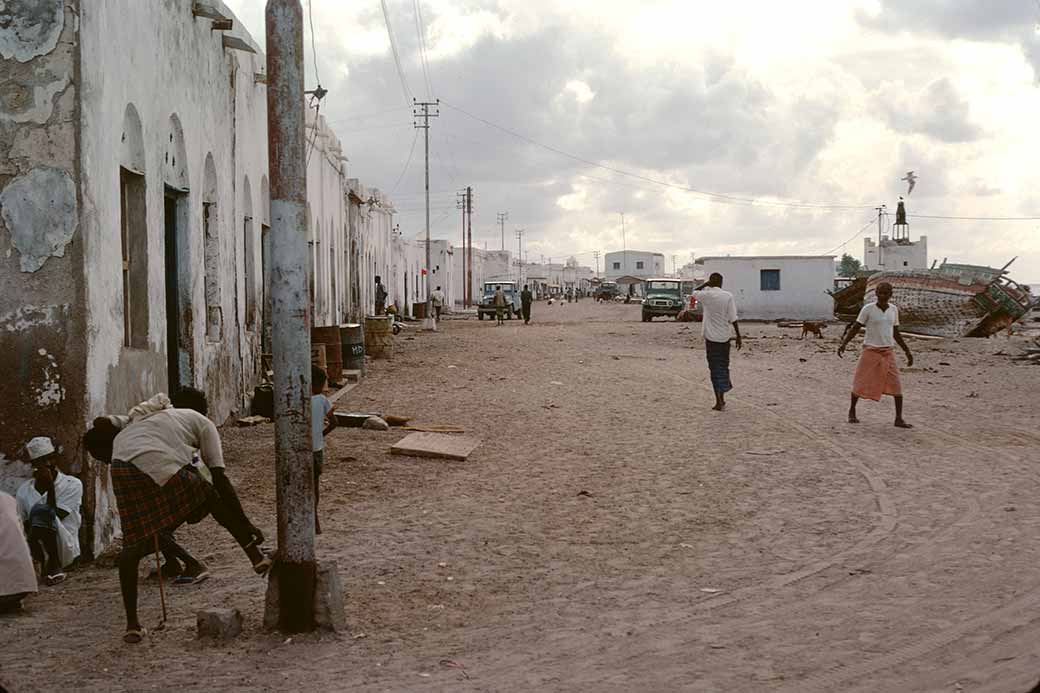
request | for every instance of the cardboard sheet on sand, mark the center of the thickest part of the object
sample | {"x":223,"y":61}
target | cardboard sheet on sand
{"x":435,"y":445}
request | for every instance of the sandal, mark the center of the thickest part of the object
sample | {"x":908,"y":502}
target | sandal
{"x":56,"y":579}
{"x":262,"y":567}
{"x":134,"y":635}
{"x":192,"y":578}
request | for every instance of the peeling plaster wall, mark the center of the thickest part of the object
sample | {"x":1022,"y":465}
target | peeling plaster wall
{"x":42,"y":353}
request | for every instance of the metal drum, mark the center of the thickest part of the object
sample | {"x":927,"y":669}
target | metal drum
{"x":329,"y":336}
{"x":379,"y":337}
{"x":352,"y":339}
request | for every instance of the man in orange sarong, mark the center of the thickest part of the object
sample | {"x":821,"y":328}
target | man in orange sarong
{"x":877,"y":373}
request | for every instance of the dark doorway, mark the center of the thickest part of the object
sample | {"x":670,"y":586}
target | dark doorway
{"x":174,"y":202}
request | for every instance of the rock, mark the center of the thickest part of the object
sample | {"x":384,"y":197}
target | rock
{"x":329,"y":612}
{"x":219,"y":624}
{"x":374,"y":423}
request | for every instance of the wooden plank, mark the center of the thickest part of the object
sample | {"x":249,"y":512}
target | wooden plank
{"x":342,"y":391}
{"x":435,"y":445}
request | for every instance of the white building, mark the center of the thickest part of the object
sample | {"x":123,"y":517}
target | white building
{"x":633,"y":263}
{"x":896,"y":254}
{"x":779,"y":287}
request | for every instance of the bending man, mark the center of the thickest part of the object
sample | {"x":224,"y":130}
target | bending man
{"x":158,"y":488}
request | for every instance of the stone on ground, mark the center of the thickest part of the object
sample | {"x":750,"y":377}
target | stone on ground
{"x":435,"y":445}
{"x":219,"y":624}
{"x":374,"y":423}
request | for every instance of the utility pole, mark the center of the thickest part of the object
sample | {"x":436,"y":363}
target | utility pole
{"x":295,"y":569}
{"x":460,"y":203}
{"x":881,"y":211}
{"x":595,"y":254}
{"x":673,"y":265}
{"x":624,"y":247}
{"x":502,"y":216}
{"x":421,"y":110}
{"x":469,"y":252}
{"x":519,"y":257}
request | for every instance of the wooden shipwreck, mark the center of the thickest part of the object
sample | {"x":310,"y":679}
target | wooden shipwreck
{"x":952,"y":300}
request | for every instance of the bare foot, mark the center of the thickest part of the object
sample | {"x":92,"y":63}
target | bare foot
{"x":719,"y":407}
{"x":902,"y":424}
{"x":853,"y":419}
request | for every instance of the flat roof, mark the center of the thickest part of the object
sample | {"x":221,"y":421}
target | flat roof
{"x":766,"y":257}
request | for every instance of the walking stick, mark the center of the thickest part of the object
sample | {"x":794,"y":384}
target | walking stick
{"x":162,"y":590}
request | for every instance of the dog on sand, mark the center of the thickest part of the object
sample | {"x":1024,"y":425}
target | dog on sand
{"x":813,"y":328}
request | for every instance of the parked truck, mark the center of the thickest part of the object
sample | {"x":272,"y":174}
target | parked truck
{"x":487,"y":301}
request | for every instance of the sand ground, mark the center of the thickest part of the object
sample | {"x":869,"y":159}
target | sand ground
{"x":614,"y":533}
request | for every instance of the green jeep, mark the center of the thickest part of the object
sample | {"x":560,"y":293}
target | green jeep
{"x":663,"y":297}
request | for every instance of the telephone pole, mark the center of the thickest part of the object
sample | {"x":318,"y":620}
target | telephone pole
{"x":295,"y":569}
{"x":421,"y":110}
{"x":502,"y":216}
{"x":595,"y":254}
{"x":674,"y":271}
{"x":460,"y":203}
{"x":881,"y":211}
{"x":519,"y":257}
{"x":624,"y":247}
{"x":469,"y":252}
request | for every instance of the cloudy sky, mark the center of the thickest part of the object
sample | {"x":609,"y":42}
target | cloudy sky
{"x":752,"y":127}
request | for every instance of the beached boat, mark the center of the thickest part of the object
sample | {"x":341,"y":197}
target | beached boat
{"x":952,"y":300}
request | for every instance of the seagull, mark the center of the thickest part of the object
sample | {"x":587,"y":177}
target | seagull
{"x":911,"y":179}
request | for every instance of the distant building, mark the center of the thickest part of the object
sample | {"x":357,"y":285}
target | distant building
{"x":777,"y":287}
{"x":896,"y":254}
{"x":633,"y":263}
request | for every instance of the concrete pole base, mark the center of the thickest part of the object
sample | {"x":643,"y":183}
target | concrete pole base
{"x":329,"y":613}
{"x":429,"y":324}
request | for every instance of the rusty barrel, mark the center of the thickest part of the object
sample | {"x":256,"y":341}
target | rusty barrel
{"x":352,"y":339}
{"x":329,"y":336}
{"x":379,"y":337}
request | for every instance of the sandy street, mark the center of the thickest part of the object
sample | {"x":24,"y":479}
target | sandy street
{"x":613,"y":533}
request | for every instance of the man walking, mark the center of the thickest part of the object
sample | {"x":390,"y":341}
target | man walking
{"x":437,"y":298}
{"x":380,"y":297}
{"x":877,"y":373}
{"x":500,"y":305}
{"x":720,"y":311}
{"x":526,"y":299}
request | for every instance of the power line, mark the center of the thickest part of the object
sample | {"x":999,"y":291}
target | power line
{"x":851,"y":238}
{"x":714,"y":197}
{"x":407,"y":163}
{"x":314,"y":50}
{"x":370,"y":115}
{"x":934,"y":216}
{"x":397,"y":56}
{"x":420,"y":27}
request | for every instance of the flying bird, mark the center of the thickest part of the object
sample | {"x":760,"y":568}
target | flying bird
{"x":911,"y":179}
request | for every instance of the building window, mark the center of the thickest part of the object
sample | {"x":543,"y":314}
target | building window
{"x":639,"y":264}
{"x":770,"y":280}
{"x":617,"y":265}
{"x":133,"y":231}
{"x":211,"y":252}
{"x":250,"y":272}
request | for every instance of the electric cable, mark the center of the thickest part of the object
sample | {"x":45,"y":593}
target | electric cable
{"x":408,"y":98}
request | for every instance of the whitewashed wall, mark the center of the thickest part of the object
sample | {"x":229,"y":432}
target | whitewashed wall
{"x":804,"y":282}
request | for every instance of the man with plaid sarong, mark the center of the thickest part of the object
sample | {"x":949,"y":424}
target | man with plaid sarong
{"x":720,"y":312}
{"x":159,"y":486}
{"x":877,"y":373}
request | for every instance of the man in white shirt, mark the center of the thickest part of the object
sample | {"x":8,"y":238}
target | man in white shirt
{"x":877,"y":373}
{"x":720,"y":312}
{"x":437,"y":299}
{"x":49,"y":507}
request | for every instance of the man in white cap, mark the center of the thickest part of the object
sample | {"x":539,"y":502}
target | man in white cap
{"x":49,"y":507}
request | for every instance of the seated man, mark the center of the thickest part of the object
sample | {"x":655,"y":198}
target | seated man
{"x":158,"y":487}
{"x":49,"y":507}
{"x":17,"y":576}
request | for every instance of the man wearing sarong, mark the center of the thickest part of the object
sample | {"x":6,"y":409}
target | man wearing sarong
{"x":720,"y":311}
{"x":17,"y":575}
{"x":158,"y":487}
{"x":877,"y":373}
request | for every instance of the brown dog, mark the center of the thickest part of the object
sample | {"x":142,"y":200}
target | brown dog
{"x":814,"y":328}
